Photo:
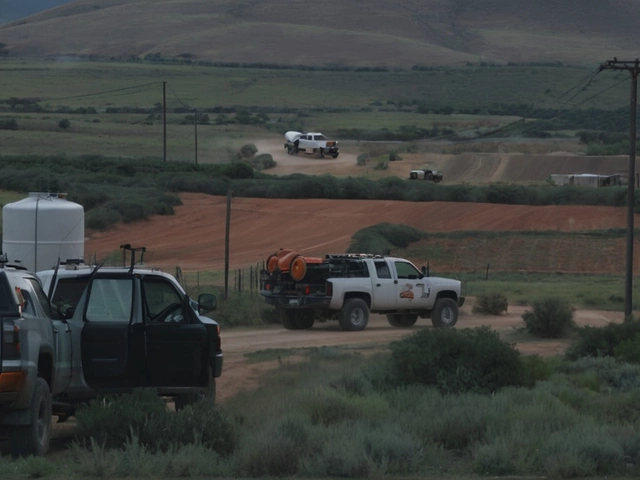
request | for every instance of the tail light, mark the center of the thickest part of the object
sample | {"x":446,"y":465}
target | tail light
{"x":267,"y":286}
{"x":10,"y":340}
{"x":307,"y":289}
{"x":329,"y":289}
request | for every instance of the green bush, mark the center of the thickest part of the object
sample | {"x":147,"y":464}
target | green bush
{"x":9,"y":124}
{"x":381,"y":238}
{"x":247,"y":151}
{"x":64,"y":124}
{"x":382,"y":165}
{"x":263,"y":161}
{"x":362,"y":160}
{"x":114,"y":420}
{"x":549,"y":318}
{"x":394,"y":157}
{"x":457,"y":361}
{"x":603,"y":341}
{"x":491,"y":304}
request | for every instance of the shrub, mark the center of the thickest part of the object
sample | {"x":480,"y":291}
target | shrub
{"x":64,"y":124}
{"x":114,"y":420}
{"x":603,"y":341}
{"x":381,"y":238}
{"x":549,"y":318}
{"x":394,"y":157}
{"x":491,"y":304}
{"x":363,"y":158}
{"x":457,"y":361}
{"x":263,"y":162}
{"x":382,"y":165}
{"x":248,"y":150}
{"x":9,"y":124}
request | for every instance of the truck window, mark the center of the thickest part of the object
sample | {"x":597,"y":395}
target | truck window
{"x":358,"y":269}
{"x":110,"y":300}
{"x":406,"y":270}
{"x":67,"y":294}
{"x":382,"y":269}
{"x":158,"y":295}
{"x":40,"y":296}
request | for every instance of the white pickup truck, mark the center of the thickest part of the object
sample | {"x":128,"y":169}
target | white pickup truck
{"x":313,"y":143}
{"x":347,"y":287}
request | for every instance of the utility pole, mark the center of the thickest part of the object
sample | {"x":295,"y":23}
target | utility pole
{"x":633,"y":67}
{"x":164,"y":120}
{"x":226,"y":246}
{"x":195,"y":127}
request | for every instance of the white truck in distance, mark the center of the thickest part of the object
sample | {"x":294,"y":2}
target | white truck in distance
{"x":313,"y":143}
{"x":347,"y":287}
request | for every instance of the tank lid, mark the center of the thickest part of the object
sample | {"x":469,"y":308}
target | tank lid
{"x":48,"y":195}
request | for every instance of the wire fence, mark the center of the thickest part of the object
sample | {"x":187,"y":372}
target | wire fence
{"x":245,"y":279}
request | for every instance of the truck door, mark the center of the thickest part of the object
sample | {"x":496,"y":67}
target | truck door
{"x":384,"y":286}
{"x":61,"y":333}
{"x":177,"y":343}
{"x":110,"y":343}
{"x":413,"y":291}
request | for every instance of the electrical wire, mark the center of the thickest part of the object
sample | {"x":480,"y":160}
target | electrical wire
{"x":187,"y":107}
{"x":103,"y":92}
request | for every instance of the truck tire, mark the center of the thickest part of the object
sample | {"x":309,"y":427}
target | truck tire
{"x":413,"y":175}
{"x":436,"y":179}
{"x":354,"y":315}
{"x":444,"y":313}
{"x":335,"y":155}
{"x":402,"y":321}
{"x":304,"y":319}
{"x":287,"y":318}
{"x":185,"y":399}
{"x":33,"y":439}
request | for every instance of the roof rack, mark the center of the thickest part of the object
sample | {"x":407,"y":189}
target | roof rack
{"x":352,"y":256}
{"x":127,"y":247}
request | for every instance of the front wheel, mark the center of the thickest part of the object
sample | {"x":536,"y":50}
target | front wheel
{"x":33,"y":439}
{"x":335,"y":155}
{"x":445,"y":313}
{"x":354,"y":315}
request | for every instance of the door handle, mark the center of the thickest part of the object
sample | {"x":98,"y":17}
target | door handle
{"x":377,"y":284}
{"x":395,"y":281}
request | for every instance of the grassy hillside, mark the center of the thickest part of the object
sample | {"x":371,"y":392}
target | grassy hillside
{"x":14,"y":9}
{"x":430,"y":32}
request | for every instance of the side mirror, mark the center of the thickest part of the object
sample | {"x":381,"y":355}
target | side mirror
{"x":425,"y":271}
{"x":207,"y":302}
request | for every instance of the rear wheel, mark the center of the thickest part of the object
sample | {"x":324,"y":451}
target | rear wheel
{"x":354,"y":315}
{"x":33,"y":439}
{"x":304,"y":319}
{"x":287,"y":318}
{"x":445,"y":313}
{"x":413,"y":175}
{"x":402,"y":321}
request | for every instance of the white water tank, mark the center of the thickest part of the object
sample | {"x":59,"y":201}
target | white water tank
{"x":42,"y":228}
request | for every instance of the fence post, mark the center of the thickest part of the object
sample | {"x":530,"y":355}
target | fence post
{"x":487,"y":275}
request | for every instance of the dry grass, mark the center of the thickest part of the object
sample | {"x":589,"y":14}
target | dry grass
{"x":433,"y":32}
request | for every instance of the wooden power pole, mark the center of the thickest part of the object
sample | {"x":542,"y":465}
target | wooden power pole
{"x":633,"y":67}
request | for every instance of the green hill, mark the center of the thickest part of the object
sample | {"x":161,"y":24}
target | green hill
{"x":13,"y":9}
{"x":372,"y":33}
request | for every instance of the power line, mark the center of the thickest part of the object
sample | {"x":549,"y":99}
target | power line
{"x":102,"y":92}
{"x":187,"y":107}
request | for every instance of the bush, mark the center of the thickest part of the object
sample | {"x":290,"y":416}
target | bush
{"x":491,"y":304}
{"x":381,"y":238}
{"x":603,"y":341}
{"x":114,"y":420}
{"x":248,"y":150}
{"x":9,"y":124}
{"x":64,"y":124}
{"x":456,"y":361}
{"x":363,"y":158}
{"x":394,"y":157}
{"x":382,"y":165}
{"x":549,"y":318}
